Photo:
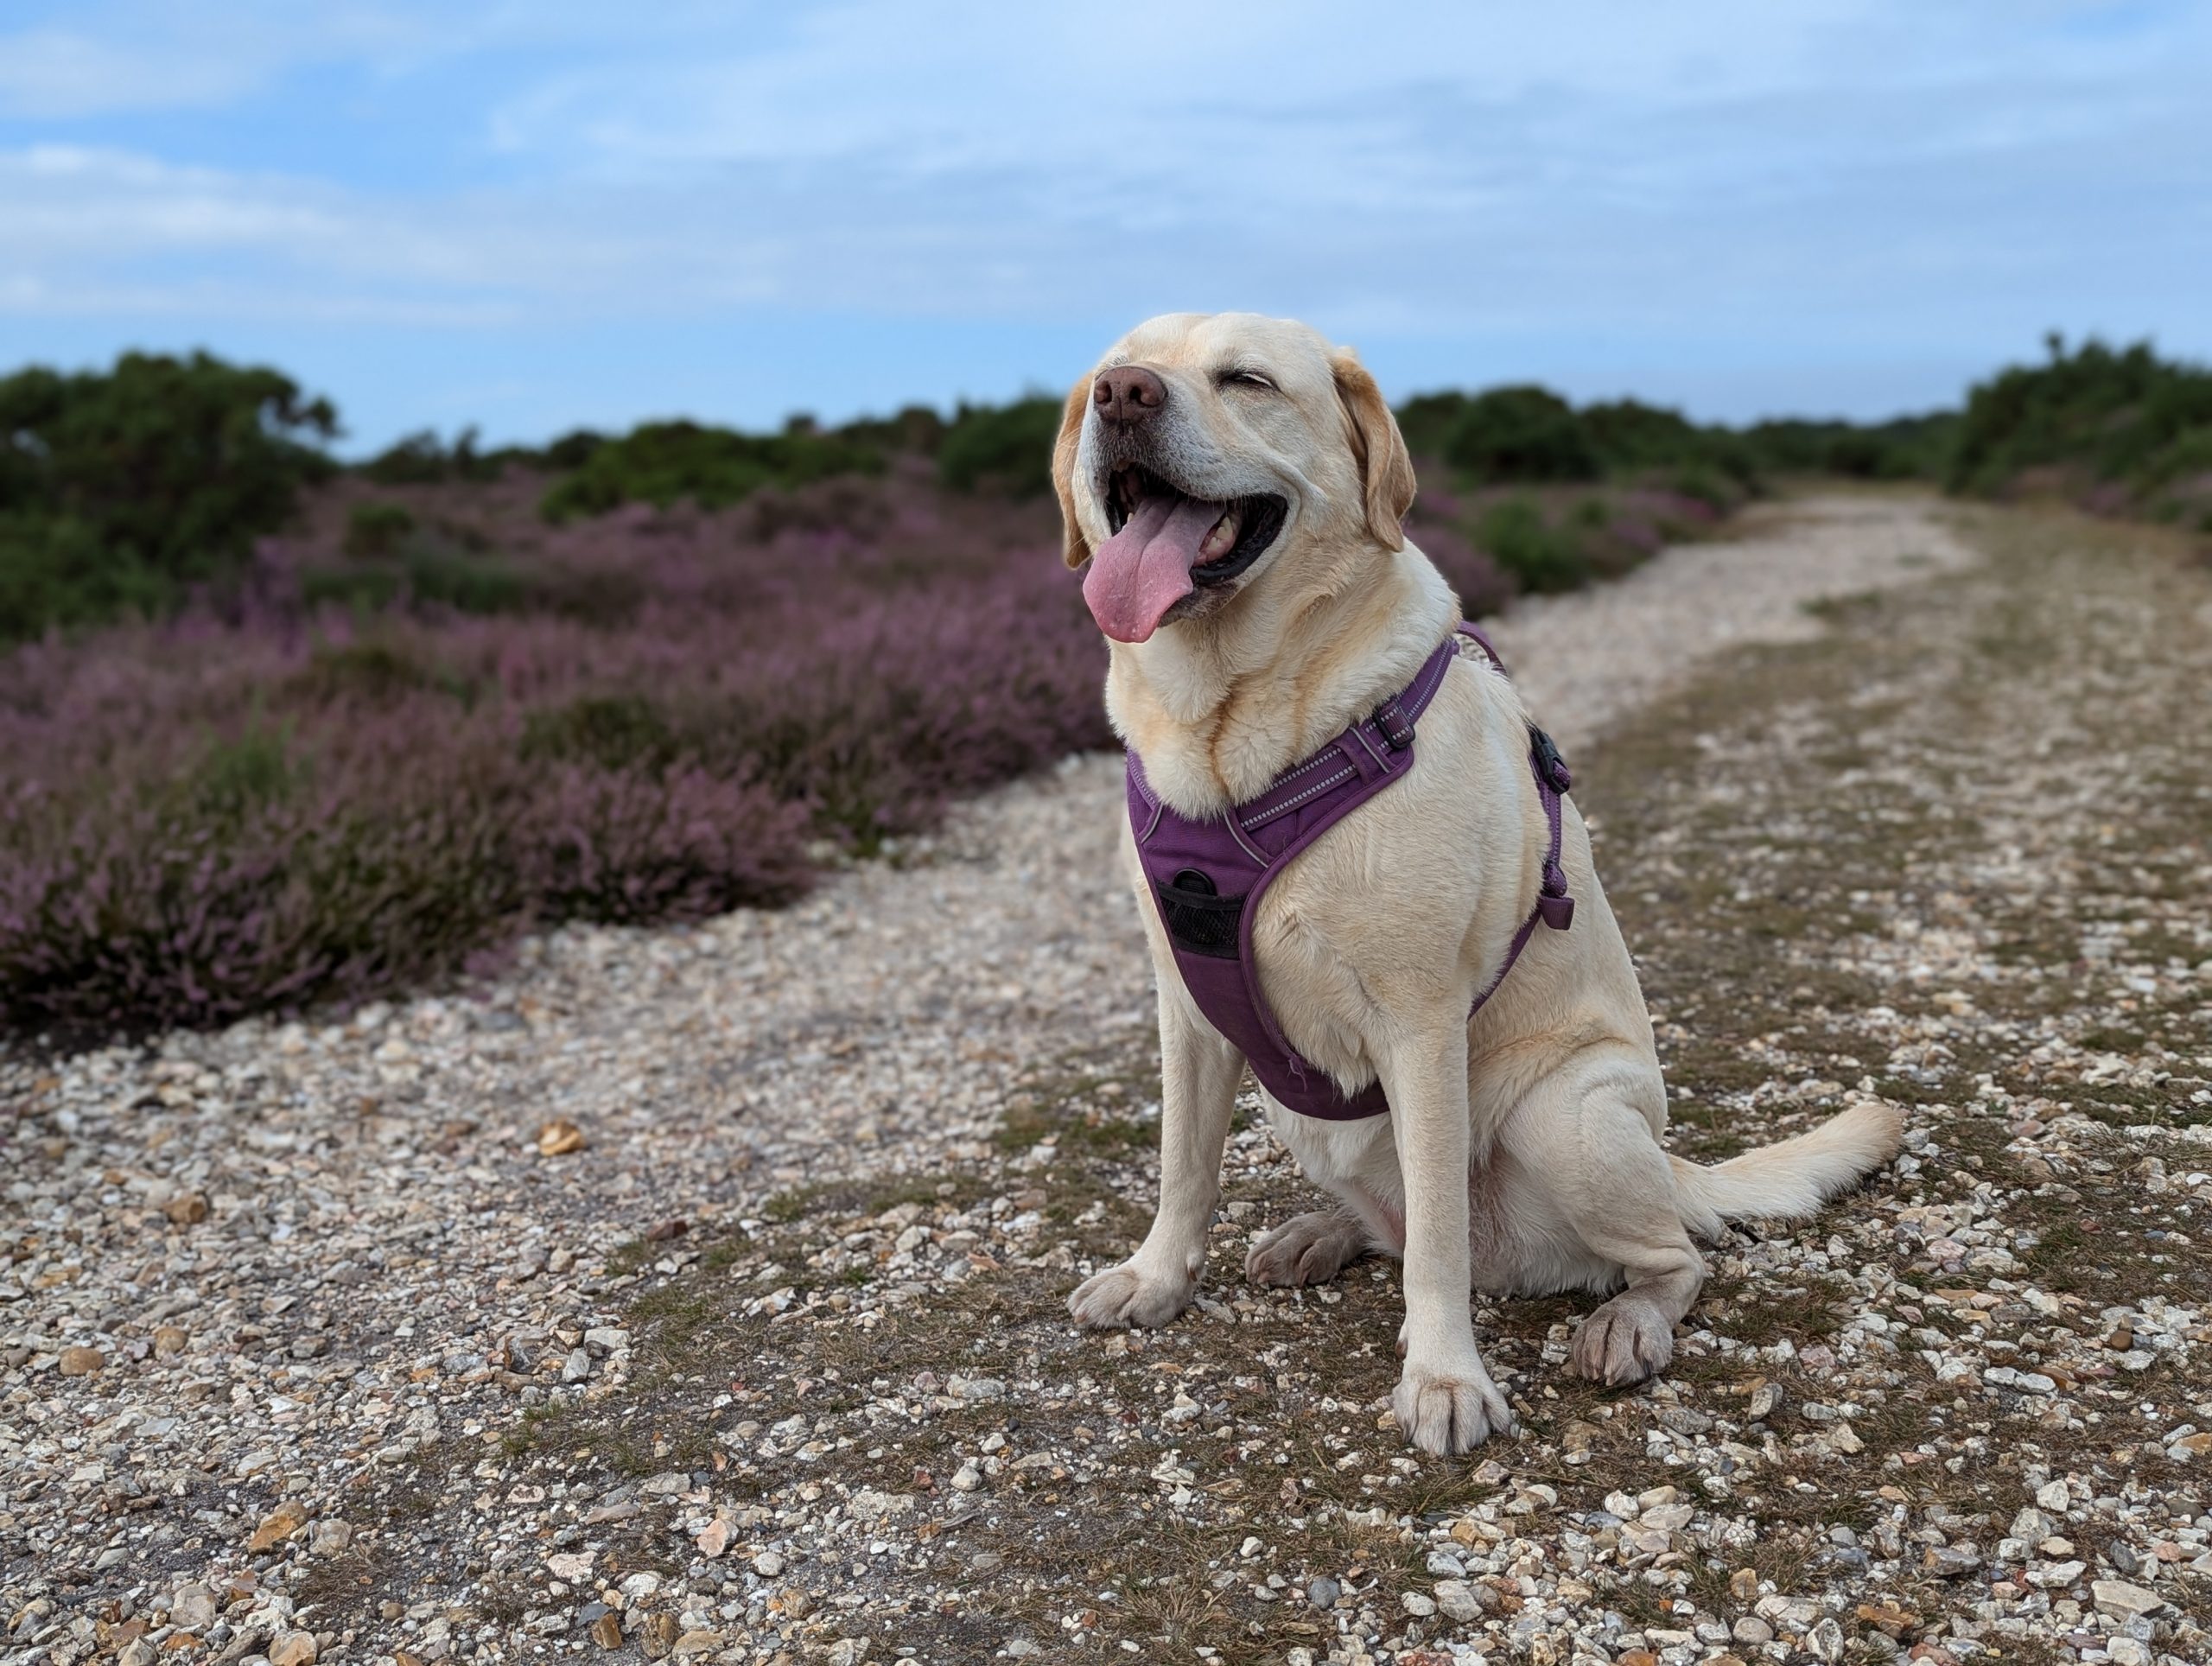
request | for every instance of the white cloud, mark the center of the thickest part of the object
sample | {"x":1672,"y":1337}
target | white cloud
{"x":1858,"y":168}
{"x":48,"y":73}
{"x":137,"y":55}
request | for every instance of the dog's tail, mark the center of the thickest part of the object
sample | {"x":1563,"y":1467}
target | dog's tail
{"x":1790,"y":1180}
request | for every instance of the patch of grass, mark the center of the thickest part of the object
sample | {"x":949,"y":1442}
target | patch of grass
{"x":1082,"y":1113}
{"x":530,"y":1432}
{"x":501,"y":1604}
{"x":336,"y":1587}
{"x":1759,"y":1314}
{"x":420,"y":1486}
{"x":2118,"y":1106}
{"x":2064,"y":1259}
{"x":1858,"y":608}
{"x":955,"y":1189}
{"x":785,"y":1207}
{"x":679,"y":1312}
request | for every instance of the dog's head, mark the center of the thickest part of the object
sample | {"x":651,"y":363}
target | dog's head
{"x":1211,"y":453}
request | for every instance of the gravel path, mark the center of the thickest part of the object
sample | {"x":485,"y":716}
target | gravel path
{"x":697,"y":1292}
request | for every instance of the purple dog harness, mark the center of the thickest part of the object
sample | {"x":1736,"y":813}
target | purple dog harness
{"x":1207,"y":877}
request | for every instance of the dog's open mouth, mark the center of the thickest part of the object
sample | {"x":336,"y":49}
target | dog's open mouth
{"x":1166,"y":543}
{"x":1236,"y":537}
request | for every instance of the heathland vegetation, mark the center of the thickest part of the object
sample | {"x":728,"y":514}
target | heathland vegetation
{"x":278,"y":731}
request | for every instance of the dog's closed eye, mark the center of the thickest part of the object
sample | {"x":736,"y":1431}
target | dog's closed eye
{"x":1244,"y":376}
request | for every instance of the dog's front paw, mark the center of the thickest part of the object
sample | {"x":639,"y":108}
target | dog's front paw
{"x":1446,"y":1412}
{"x":1130,"y":1295}
{"x":1623,"y":1342}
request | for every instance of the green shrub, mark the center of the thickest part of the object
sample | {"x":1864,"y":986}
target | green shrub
{"x":1529,"y":434}
{"x":1633,"y":438}
{"x":2122,"y":416}
{"x":2186,"y":457}
{"x":1543,"y":558}
{"x":1005,"y":448}
{"x":54,"y":571}
{"x":375,"y":671}
{"x":1705,"y":485}
{"x":1521,"y":433}
{"x":376,"y":529}
{"x":916,"y":428}
{"x":572,"y":450}
{"x":1425,"y":420}
{"x":444,"y":576}
{"x":415,"y":460}
{"x":365,"y":589}
{"x":240,"y":774}
{"x":425,"y":570}
{"x":1859,"y":456}
{"x":664,"y":462}
{"x":1901,"y":448}
{"x":164,"y":471}
{"x":422,"y":459}
{"x":622,"y":731}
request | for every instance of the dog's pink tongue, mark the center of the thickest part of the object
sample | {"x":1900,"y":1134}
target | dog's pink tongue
{"x":1145,"y":568}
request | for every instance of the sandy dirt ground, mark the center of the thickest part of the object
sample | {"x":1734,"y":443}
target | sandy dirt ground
{"x":700,"y":1293}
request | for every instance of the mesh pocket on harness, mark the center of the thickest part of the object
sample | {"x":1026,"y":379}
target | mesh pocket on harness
{"x":1197,"y":919}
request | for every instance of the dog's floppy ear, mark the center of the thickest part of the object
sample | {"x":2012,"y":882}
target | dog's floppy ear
{"x":1075,"y":548}
{"x":1386,"y":468}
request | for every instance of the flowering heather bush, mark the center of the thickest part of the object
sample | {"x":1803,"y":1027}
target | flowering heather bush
{"x":301,"y":803}
{"x":400,"y":746}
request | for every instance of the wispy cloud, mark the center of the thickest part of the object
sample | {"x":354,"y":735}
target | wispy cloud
{"x":118,"y":57}
{"x":1834,"y":172}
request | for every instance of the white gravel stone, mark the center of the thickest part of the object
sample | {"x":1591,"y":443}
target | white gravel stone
{"x":2124,"y":1600}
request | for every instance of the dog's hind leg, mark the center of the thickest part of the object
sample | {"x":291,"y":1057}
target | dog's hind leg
{"x":1308,"y":1248}
{"x":1582,"y":1135}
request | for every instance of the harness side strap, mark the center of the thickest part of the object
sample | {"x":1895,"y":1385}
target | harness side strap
{"x":1554,"y":907}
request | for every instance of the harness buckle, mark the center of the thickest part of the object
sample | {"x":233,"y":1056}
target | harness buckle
{"x":1397,"y":729}
{"x":1551,"y":768}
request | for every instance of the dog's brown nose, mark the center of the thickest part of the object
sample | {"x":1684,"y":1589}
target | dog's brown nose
{"x":1128,"y":394}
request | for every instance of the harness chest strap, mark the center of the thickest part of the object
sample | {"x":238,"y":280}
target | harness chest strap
{"x":1206,"y":877}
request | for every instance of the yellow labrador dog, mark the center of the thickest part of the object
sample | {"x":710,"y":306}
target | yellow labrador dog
{"x":1237,"y":488}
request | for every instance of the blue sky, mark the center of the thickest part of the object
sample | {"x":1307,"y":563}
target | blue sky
{"x":534,"y":216}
